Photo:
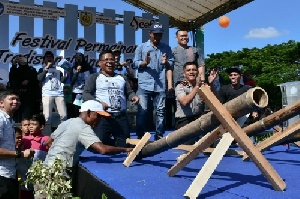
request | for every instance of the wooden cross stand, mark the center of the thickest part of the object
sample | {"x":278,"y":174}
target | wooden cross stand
{"x":277,"y":138}
{"x":235,"y":133}
{"x":257,"y":127}
{"x":139,"y":145}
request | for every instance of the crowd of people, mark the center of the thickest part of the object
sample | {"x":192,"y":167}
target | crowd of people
{"x":93,"y":105}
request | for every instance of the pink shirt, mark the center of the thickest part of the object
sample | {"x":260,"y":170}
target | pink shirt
{"x":37,"y":142}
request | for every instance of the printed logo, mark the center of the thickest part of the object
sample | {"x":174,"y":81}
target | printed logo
{"x":137,"y":23}
{"x":1,"y":8}
{"x":86,"y":18}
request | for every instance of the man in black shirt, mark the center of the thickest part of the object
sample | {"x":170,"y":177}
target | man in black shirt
{"x":235,"y":88}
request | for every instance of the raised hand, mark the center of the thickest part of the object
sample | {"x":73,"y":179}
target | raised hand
{"x":148,"y":58}
{"x":78,"y":68}
{"x":212,"y":76}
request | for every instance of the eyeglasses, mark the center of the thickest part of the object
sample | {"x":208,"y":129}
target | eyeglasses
{"x":108,"y":60}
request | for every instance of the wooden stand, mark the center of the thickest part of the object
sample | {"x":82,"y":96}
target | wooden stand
{"x":241,"y":138}
{"x":253,"y":129}
{"x":131,"y":156}
{"x":277,"y":138}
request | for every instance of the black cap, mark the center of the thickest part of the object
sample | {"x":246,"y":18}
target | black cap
{"x":233,"y":70}
{"x":156,"y":28}
{"x":48,"y":53}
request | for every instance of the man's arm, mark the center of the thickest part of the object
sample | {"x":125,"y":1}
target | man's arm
{"x":74,"y":77}
{"x":128,"y":90}
{"x":201,"y":70}
{"x":139,"y":60}
{"x":170,"y":79}
{"x":201,"y":66}
{"x":222,"y":95}
{"x":88,"y":138}
{"x":90,"y":87}
{"x":106,"y":149}
{"x":49,"y":142}
{"x":182,"y":97}
{"x":42,"y":75}
{"x":170,"y":59}
{"x":4,"y":153}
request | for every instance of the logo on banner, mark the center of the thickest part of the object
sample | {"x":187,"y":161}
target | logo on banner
{"x":140,"y":23}
{"x":86,"y":18}
{"x":1,"y":8}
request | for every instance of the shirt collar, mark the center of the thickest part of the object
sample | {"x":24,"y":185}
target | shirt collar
{"x":7,"y":117}
{"x":36,"y":138}
{"x":148,"y":43}
{"x":5,"y":114}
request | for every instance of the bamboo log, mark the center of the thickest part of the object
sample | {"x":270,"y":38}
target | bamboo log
{"x":273,"y":119}
{"x":254,"y":98}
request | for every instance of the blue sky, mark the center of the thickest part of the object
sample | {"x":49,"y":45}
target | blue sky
{"x":256,"y":24}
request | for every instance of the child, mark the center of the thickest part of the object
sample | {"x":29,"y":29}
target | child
{"x":22,"y":166}
{"x":25,"y":126}
{"x":36,"y":141}
{"x":19,"y":135}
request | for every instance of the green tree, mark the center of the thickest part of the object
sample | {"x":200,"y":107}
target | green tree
{"x":270,"y":66}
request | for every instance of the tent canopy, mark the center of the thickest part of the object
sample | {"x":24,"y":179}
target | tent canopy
{"x":189,"y":14}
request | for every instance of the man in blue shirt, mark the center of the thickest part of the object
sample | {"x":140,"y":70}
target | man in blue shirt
{"x":154,"y":61}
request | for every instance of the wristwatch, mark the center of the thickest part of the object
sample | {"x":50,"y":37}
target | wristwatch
{"x":19,"y":154}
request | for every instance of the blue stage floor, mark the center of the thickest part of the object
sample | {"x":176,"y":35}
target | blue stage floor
{"x":232,"y":179}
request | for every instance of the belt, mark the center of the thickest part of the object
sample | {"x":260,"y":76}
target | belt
{"x":117,"y":114}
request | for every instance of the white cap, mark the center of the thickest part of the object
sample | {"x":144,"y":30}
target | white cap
{"x":95,"y":106}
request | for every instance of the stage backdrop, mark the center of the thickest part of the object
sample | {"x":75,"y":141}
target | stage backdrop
{"x":70,"y":43}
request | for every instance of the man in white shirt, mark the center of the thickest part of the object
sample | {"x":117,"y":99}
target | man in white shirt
{"x":9,"y":103}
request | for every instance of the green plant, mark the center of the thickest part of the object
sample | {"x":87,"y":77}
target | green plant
{"x":51,"y":181}
{"x":104,"y":196}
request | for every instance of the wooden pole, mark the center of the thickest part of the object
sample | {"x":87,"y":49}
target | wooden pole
{"x":131,"y":156}
{"x":241,"y":138}
{"x":240,"y":106}
{"x":209,"y":167}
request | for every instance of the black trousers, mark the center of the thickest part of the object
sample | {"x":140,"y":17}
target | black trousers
{"x":11,"y":186}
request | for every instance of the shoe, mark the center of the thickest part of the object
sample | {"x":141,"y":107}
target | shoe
{"x":158,"y":137}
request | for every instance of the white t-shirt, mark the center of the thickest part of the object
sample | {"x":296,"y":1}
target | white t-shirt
{"x":111,"y":91}
{"x":52,"y":84}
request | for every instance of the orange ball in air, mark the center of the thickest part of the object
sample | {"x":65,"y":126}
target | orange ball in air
{"x":224,"y":21}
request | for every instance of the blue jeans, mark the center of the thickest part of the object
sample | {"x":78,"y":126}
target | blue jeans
{"x":117,"y":127}
{"x":159,"y":99}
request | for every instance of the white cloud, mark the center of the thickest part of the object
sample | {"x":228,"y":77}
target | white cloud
{"x":264,"y":33}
